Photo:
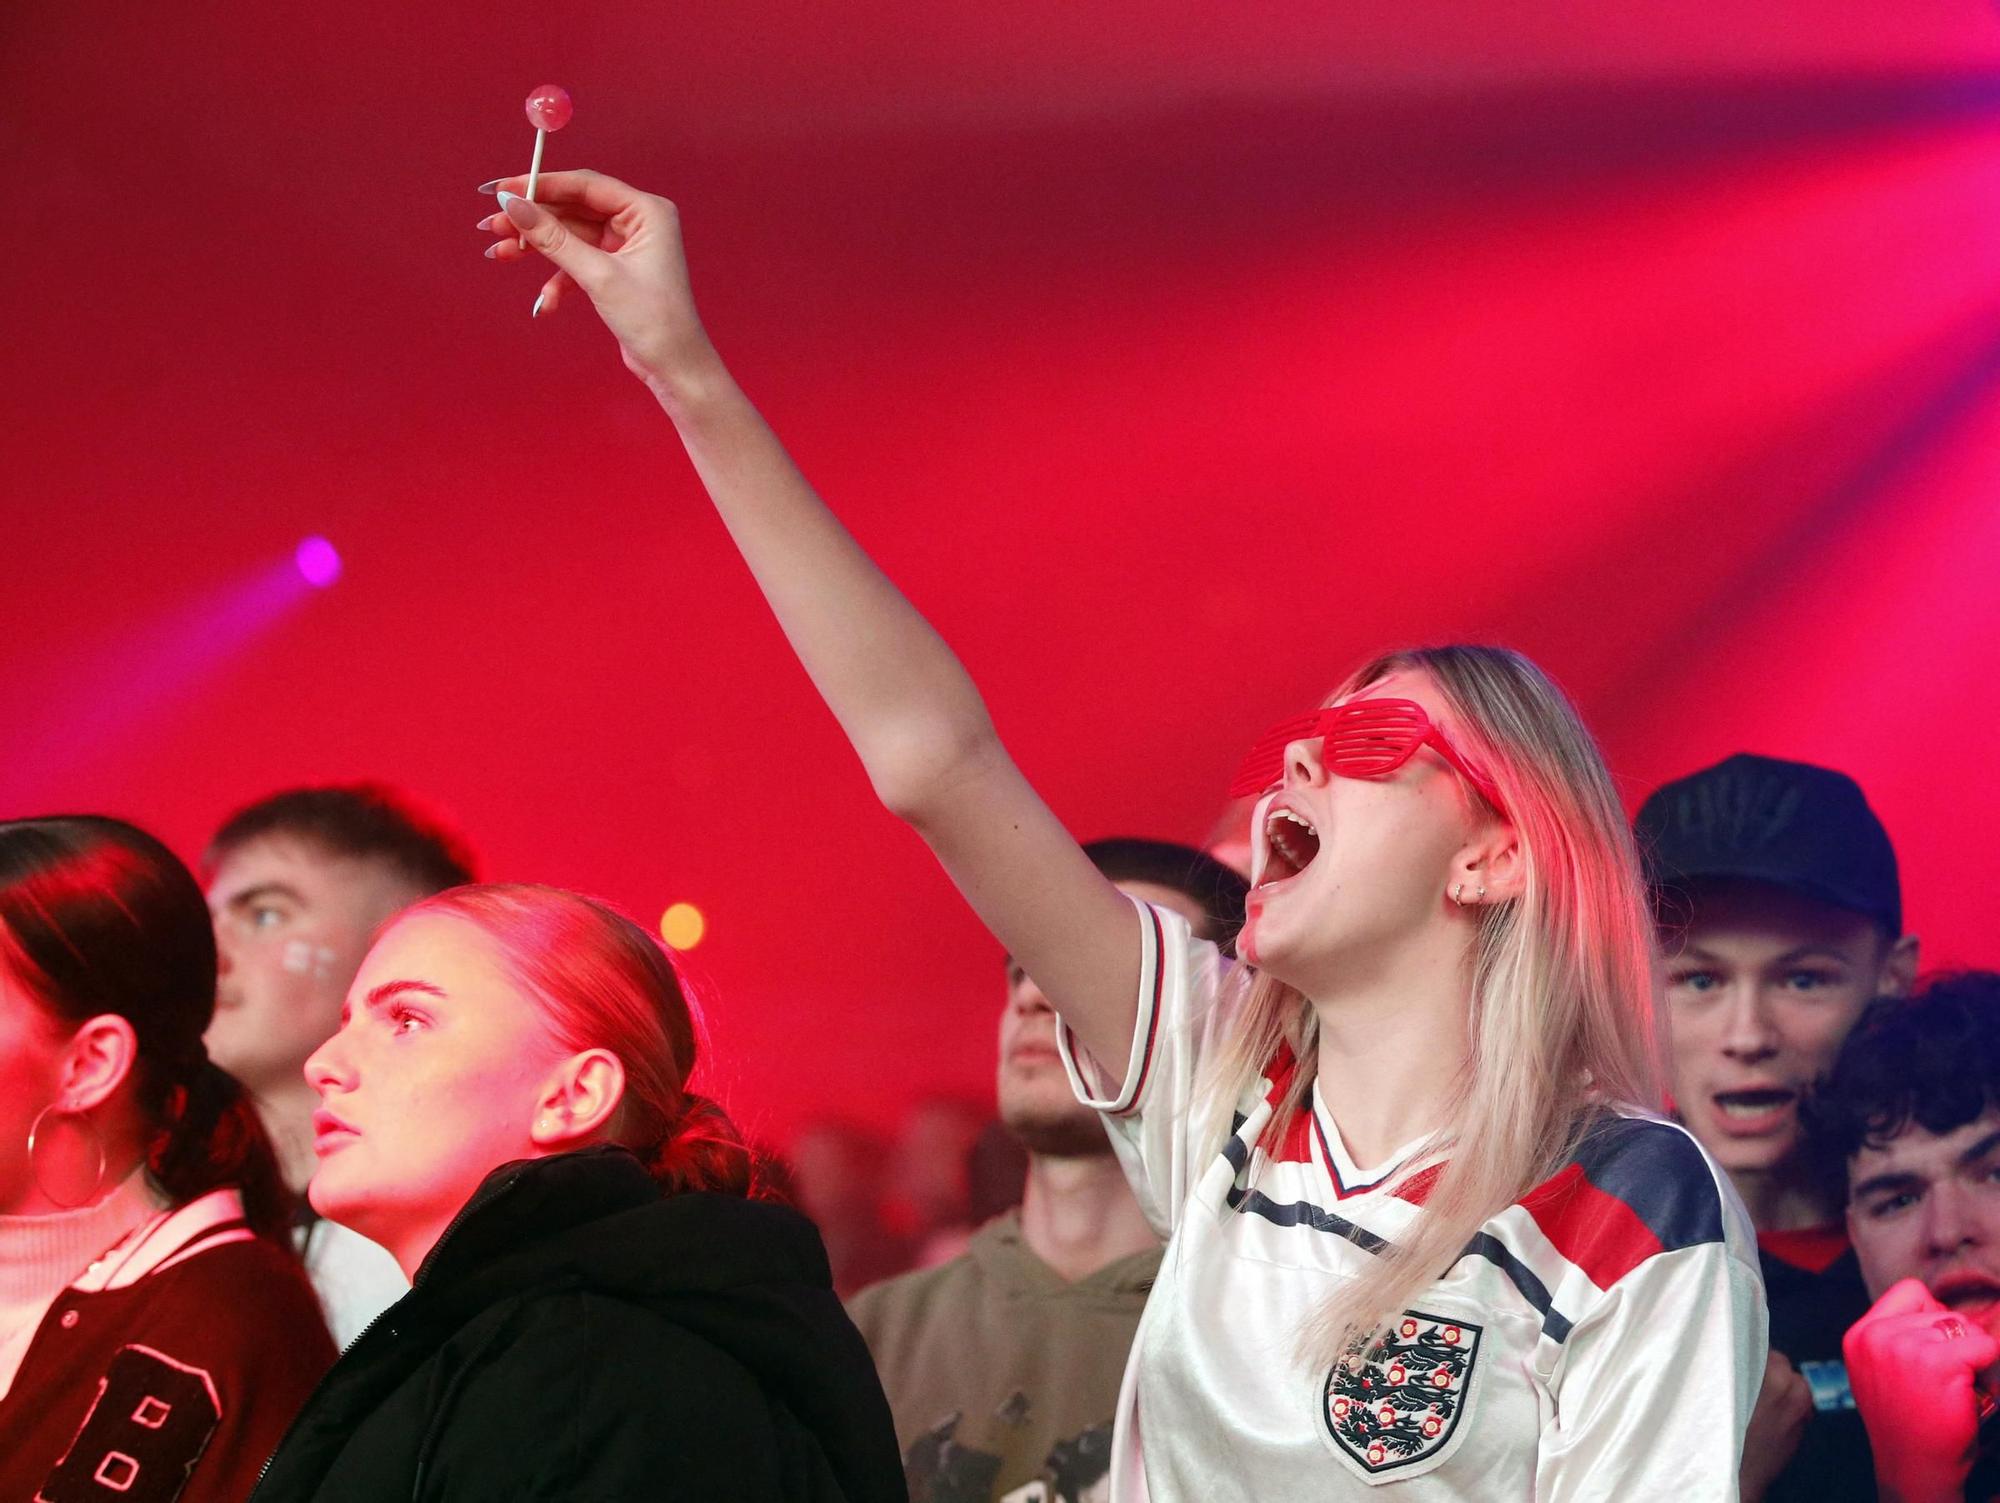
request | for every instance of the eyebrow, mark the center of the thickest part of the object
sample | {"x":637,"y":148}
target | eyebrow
{"x":1695,"y":952}
{"x":250,"y":895}
{"x":1810,"y":952}
{"x":1980,"y":1149}
{"x":1877,"y":1184}
{"x":390,"y":990}
{"x":1903,"y":1179}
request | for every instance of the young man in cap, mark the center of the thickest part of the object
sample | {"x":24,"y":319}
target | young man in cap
{"x":1781,"y":918}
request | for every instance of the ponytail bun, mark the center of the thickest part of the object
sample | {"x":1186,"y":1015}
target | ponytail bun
{"x":214,"y":1138}
{"x":703,"y":1152}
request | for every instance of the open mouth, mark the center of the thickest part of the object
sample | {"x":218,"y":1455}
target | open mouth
{"x":1757,"y":1106}
{"x":1290,"y":843}
{"x":1968,"y":1293}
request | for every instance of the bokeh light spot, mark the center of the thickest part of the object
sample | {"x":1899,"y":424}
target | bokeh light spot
{"x":682,"y":926}
{"x":318,"y":562}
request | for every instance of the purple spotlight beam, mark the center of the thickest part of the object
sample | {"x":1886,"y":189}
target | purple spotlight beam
{"x":318,"y":562}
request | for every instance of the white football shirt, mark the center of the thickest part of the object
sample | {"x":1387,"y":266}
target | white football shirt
{"x":1602,"y":1338}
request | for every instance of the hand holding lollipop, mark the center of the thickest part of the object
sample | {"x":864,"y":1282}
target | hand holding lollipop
{"x":622,"y":248}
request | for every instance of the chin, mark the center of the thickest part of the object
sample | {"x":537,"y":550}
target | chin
{"x":1273,"y":960}
{"x":1739,"y":1157}
{"x":334,"y":1200}
{"x":1075,"y":1133}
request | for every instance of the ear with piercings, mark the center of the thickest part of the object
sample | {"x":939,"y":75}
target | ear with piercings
{"x":577,"y":1099}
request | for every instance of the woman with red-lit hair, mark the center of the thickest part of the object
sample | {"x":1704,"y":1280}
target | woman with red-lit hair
{"x":1425,"y":1230}
{"x":156,"y":1331}
{"x":598,"y":1309}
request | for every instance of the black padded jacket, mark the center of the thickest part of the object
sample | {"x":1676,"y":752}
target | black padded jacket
{"x":575,"y":1335}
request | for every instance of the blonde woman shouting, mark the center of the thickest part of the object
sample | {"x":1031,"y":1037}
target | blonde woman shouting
{"x":1425,"y":1233}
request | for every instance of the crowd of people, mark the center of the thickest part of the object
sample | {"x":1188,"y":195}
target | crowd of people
{"x":1473,"y":1142}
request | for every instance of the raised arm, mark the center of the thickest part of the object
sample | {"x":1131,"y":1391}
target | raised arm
{"x":906,"y":704}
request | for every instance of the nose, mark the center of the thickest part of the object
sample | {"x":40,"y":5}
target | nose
{"x":1027,"y":999}
{"x":329,"y":1068}
{"x":1303,"y":764}
{"x":225,"y":959}
{"x":1948,"y":1220}
{"x":1747,"y":1035}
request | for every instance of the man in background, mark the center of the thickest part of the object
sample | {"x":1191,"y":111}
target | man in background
{"x":1781,"y":918}
{"x":298,"y":883}
{"x":1003,"y":1365}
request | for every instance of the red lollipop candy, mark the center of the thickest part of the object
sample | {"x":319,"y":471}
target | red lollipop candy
{"x":549,"y":108}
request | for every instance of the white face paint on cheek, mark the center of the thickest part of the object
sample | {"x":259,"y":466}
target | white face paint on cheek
{"x":302,"y":957}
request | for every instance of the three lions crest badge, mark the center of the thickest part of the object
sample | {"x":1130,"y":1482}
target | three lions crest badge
{"x":1397,"y":1406}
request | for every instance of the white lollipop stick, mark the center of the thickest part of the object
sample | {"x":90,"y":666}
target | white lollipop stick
{"x":535,"y":167}
{"x":548,"y":109}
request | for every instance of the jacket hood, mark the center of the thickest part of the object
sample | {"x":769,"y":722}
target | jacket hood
{"x":749,"y":1277}
{"x":597,"y":1216}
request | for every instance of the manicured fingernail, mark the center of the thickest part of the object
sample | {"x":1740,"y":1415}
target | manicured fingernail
{"x":489,"y":187}
{"x":493,"y":250}
{"x":486,"y":223}
{"x":523,"y":211}
{"x":537,"y":311}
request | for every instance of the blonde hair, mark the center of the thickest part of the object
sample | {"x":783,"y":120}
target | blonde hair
{"x":1563,"y":1014}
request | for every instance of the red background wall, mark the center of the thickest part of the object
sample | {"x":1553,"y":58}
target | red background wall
{"x":1171,"y":355}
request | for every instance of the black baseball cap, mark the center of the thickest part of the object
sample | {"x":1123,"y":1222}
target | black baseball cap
{"x":1758,"y":819}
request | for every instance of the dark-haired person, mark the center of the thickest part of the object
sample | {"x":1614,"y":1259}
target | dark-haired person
{"x":1908,"y":1121}
{"x":1003,"y":1365}
{"x":598,"y":1309}
{"x":156,"y":1334}
{"x":298,"y":883}
{"x":1781,"y":917}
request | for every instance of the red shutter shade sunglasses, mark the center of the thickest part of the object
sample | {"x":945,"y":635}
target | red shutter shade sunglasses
{"x":1364,"y":738}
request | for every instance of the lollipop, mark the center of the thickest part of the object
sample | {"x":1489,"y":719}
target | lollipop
{"x":549,"y":108}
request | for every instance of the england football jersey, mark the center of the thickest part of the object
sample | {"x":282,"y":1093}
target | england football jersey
{"x":1604,"y":1337}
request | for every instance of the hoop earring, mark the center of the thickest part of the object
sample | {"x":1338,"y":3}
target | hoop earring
{"x":1457,"y":893}
{"x":35,"y":1170}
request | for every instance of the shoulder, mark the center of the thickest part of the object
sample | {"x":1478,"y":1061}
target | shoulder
{"x":248,"y":1305}
{"x":914,"y":1289}
{"x":621,"y":1330}
{"x":895,"y":1308}
{"x":200,"y":1262}
{"x":582,"y":1394}
{"x":561,"y":1353}
{"x":740,"y":1236}
{"x":553,"y":1350}
{"x":1183,"y":978}
{"x":1636,"y":1187}
{"x":257,"y":1275}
